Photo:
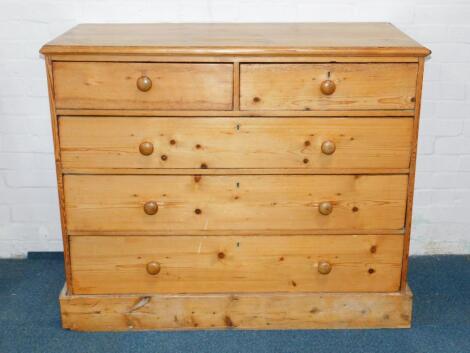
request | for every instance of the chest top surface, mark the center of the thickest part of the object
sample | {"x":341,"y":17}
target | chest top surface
{"x":344,"y":39}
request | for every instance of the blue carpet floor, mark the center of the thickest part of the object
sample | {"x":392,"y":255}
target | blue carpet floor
{"x":29,"y":319}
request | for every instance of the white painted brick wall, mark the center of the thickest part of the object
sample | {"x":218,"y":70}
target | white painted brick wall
{"x":29,"y":219}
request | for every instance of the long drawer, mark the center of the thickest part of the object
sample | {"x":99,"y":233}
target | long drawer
{"x":300,"y":143}
{"x":328,"y":86}
{"x":195,"y":264}
{"x":248,"y":204}
{"x":158,"y":86}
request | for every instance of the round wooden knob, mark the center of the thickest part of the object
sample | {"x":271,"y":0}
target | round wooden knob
{"x":150,"y":208}
{"x":328,"y":147}
{"x":324,"y":267}
{"x":144,"y":83}
{"x":327,"y":87}
{"x":153,"y":268}
{"x":146,"y":148}
{"x":325,"y":208}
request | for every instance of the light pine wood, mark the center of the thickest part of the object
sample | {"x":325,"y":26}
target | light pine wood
{"x":200,"y":264}
{"x":242,"y":232}
{"x":113,"y":143}
{"x":239,"y":214}
{"x":232,"y":58}
{"x":236,"y":85}
{"x":297,"y":86}
{"x":233,"y":203}
{"x":98,"y":85}
{"x":58,"y":165}
{"x":412,"y":175}
{"x":323,"y":39}
{"x":233,"y":171}
{"x":400,"y":113}
{"x":236,"y":311}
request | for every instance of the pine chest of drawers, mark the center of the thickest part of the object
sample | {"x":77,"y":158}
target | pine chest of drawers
{"x":235,"y":176}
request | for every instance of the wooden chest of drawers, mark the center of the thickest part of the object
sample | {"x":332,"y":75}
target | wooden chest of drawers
{"x":235,"y":176}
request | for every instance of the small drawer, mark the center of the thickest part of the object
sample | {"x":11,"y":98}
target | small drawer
{"x":239,"y":204}
{"x":328,"y":86}
{"x":158,"y":86}
{"x":300,"y":143}
{"x":202,"y":264}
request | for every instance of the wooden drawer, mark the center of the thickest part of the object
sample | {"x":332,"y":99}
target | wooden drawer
{"x":143,"y":143}
{"x":366,"y":86}
{"x":118,"y":264}
{"x":240,"y":204}
{"x":174,"y":86}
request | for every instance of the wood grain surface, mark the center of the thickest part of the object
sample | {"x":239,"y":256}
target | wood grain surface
{"x":211,"y":264}
{"x":297,"y":86}
{"x":324,"y":39}
{"x":253,"y":203}
{"x":181,"y":86}
{"x":264,"y":311}
{"x":223,"y":143}
{"x":226,"y":209}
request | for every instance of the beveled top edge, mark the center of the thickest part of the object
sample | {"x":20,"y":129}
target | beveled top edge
{"x":257,"y":39}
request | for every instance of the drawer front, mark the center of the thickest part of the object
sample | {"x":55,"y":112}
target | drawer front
{"x":304,"y":143}
{"x":327,"y":86}
{"x":182,"y":264}
{"x":131,"y":204}
{"x":172,"y":86}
